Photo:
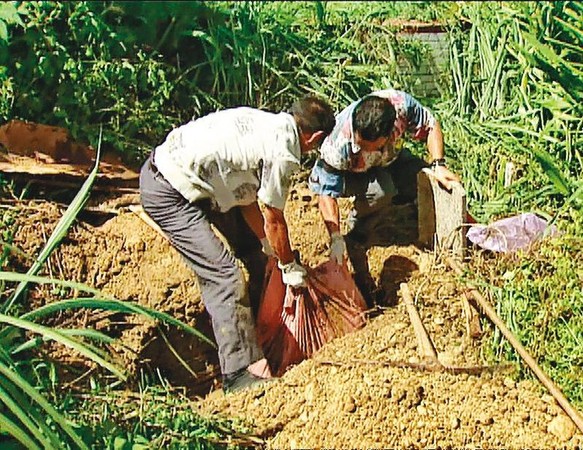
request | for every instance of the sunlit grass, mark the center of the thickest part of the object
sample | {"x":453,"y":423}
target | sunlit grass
{"x":157,"y":416}
{"x":538,"y":295}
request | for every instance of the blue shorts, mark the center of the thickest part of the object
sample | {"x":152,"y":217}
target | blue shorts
{"x":323,"y":181}
{"x":371,"y":186}
{"x":400,"y":177}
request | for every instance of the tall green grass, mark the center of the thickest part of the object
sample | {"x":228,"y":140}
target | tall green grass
{"x":516,"y":79}
{"x":516,"y":88}
{"x":538,"y":294}
{"x":138,"y":70}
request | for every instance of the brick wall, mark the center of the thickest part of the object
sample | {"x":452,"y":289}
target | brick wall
{"x":426,"y":78}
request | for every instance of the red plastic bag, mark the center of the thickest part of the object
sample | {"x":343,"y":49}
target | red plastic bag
{"x":291,"y":327}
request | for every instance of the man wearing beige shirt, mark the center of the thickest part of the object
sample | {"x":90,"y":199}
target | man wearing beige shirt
{"x":214,"y":170}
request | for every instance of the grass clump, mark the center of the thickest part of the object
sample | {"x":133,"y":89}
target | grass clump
{"x":154,"y":417}
{"x":538,"y":295}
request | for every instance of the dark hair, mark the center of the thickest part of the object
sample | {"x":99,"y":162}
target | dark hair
{"x":313,"y":114}
{"x":374,"y":117}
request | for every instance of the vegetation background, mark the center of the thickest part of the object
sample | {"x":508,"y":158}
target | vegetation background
{"x":510,"y":97}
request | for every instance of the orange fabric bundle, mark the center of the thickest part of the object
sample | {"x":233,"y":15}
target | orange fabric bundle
{"x":291,"y":326}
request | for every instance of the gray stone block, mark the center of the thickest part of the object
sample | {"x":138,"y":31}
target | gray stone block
{"x":442,"y":214}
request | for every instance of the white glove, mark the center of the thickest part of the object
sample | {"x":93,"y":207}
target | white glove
{"x":293,"y":274}
{"x":266,"y":247}
{"x":337,"y":248}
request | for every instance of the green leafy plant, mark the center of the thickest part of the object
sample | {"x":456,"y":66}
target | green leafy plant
{"x":139,"y":70}
{"x":514,"y":123}
{"x":9,"y":16}
{"x":537,"y":295}
{"x":25,"y":414}
{"x":509,"y":107}
{"x":156,"y":416}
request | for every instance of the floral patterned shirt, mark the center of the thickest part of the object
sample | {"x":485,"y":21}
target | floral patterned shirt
{"x":341,"y":154}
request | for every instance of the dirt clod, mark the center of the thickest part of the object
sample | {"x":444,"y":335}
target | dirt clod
{"x":562,"y":427}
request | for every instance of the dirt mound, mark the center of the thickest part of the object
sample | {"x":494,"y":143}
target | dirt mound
{"x":347,"y":397}
{"x":127,"y":260}
{"x":364,"y":390}
{"x":32,"y":151}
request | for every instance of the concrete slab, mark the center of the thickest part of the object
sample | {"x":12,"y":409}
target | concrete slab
{"x":442,"y":214}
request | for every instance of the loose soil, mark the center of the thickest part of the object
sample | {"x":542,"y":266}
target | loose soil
{"x":350,"y":394}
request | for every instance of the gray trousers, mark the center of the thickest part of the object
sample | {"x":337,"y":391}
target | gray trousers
{"x":378,"y":193}
{"x":221,"y":281}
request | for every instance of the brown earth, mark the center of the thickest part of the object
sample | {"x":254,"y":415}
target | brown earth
{"x":350,"y":395}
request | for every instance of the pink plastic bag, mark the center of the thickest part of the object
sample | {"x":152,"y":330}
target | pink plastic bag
{"x":291,"y":327}
{"x":510,"y":234}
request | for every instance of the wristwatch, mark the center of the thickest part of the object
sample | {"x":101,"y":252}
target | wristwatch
{"x":438,"y":162}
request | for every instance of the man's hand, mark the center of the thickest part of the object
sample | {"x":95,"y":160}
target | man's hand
{"x":266,"y":247}
{"x":293,"y":274}
{"x":337,"y":248}
{"x":445,"y":177}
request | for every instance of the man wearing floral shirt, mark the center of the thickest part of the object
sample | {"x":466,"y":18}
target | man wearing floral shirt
{"x":363,"y":157}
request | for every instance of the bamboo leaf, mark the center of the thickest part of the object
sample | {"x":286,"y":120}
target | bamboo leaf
{"x":61,"y":229}
{"x":53,"y":334}
{"x":551,"y":170}
{"x":556,"y":67}
{"x":575,"y":6}
{"x":84,"y":333}
{"x":22,"y":412}
{"x":570,"y":27}
{"x":9,"y":427}
{"x":13,"y":276}
{"x":25,"y":387}
{"x":515,"y":128}
{"x":114,"y":305}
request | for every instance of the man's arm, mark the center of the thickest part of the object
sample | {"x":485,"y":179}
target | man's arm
{"x":328,"y":185}
{"x":435,"y":142}
{"x":277,"y":234}
{"x":254,"y":218}
{"x":423,"y":125}
{"x":330,"y":213}
{"x":435,"y":147}
{"x":292,"y":273}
